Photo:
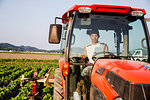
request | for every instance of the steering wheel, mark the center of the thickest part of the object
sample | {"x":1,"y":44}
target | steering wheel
{"x":110,"y":54}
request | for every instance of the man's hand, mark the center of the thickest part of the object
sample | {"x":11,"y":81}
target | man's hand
{"x":83,"y":59}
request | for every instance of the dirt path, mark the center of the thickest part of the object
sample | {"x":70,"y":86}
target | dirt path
{"x":29,"y":56}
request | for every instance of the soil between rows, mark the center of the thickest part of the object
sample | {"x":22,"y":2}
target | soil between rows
{"x":29,"y":56}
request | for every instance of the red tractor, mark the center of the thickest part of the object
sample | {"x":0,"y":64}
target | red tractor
{"x":97,"y":62}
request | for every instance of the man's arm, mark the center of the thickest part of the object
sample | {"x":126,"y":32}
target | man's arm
{"x":84,"y":55}
{"x":106,"y":48}
{"x":85,"y":52}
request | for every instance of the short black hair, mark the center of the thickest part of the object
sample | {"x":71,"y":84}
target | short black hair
{"x":93,"y":31}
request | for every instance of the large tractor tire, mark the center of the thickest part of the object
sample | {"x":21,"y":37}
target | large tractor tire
{"x":58,"y":90}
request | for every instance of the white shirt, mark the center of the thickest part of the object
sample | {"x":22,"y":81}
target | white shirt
{"x":93,"y":49}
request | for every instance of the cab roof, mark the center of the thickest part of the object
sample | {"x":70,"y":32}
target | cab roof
{"x":104,"y":8}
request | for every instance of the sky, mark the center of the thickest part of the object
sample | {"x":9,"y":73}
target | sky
{"x":26,"y":22}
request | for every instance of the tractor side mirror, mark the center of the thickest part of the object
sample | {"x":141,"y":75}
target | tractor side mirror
{"x":55,"y":33}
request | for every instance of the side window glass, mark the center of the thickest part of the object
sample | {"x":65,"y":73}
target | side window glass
{"x":110,"y":77}
{"x":100,"y":71}
{"x":63,"y":40}
{"x":137,"y":53}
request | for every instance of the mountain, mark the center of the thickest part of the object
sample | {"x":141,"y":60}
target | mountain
{"x":10,"y":47}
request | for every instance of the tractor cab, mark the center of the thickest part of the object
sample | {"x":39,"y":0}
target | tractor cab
{"x":120,"y":31}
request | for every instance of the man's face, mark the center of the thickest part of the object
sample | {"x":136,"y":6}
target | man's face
{"x":94,"y":38}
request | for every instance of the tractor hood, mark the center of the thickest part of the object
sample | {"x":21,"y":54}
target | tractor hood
{"x":131,"y":71}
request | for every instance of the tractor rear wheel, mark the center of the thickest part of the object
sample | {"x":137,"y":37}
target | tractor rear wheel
{"x":58,"y":90}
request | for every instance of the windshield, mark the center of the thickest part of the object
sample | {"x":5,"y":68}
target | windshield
{"x":116,"y":35}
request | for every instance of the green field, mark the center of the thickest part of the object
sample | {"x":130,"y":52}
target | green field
{"x":11,"y":71}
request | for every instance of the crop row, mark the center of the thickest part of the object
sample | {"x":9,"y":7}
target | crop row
{"x":11,"y":71}
{"x":7,"y":72}
{"x":6,"y":66}
{"x":47,"y":91}
{"x":25,"y":90}
{"x":11,"y":74}
{"x":6,"y":79}
{"x":27,"y":60}
{"x":5,"y":91}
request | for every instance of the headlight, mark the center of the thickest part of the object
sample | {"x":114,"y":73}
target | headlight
{"x":85,"y":10}
{"x":137,"y":13}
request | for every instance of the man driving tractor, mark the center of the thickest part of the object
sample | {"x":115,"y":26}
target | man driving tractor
{"x":92,"y":49}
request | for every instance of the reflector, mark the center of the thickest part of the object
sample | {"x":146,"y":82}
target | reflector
{"x":66,"y":69}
